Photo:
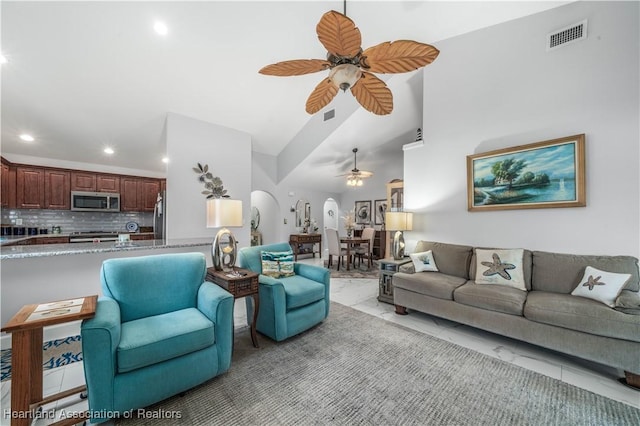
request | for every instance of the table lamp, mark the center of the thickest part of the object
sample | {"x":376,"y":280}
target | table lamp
{"x":398,"y":221}
{"x":223,"y":212}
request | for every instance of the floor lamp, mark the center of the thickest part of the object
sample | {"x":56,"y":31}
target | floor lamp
{"x":398,"y":221}
{"x":223,"y":212}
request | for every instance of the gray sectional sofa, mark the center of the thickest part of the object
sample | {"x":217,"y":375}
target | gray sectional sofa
{"x":546,"y":314}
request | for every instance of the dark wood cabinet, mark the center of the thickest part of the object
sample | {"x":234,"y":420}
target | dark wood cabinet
{"x":8,"y":188}
{"x":107,"y":183}
{"x":57,"y":189}
{"x":94,"y":182}
{"x":149,"y":194}
{"x":29,"y":187}
{"x":129,"y":194}
{"x":83,"y":181}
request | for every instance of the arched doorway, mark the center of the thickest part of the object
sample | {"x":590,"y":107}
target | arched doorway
{"x":266,"y":212}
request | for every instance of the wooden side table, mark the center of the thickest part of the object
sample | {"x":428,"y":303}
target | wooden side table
{"x":26,"y":354}
{"x":241,"y":286}
{"x":296,"y":240}
{"x":388,"y":267}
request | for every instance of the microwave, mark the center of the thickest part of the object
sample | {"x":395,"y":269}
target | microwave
{"x":95,"y":201}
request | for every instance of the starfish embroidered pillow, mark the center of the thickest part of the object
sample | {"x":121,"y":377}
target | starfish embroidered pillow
{"x":424,"y":262}
{"x":500,"y":267}
{"x":600,"y":285}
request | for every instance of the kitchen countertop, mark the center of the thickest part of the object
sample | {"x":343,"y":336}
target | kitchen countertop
{"x":12,"y":239}
{"x":45,"y":250}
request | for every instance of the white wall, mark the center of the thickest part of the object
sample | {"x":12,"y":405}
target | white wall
{"x":228,"y":154}
{"x":498,"y":87}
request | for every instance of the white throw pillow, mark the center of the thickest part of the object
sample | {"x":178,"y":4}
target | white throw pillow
{"x":424,"y":261}
{"x":600,"y":285}
{"x":501,"y":267}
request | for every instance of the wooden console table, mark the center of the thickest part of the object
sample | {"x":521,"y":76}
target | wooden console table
{"x":244,"y":285}
{"x":26,"y":355}
{"x":296,"y":240}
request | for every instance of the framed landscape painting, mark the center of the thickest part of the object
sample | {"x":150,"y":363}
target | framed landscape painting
{"x":363,"y":212}
{"x":538,"y":175}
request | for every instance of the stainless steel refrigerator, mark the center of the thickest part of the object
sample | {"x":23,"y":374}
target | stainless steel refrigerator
{"x":160,"y":217}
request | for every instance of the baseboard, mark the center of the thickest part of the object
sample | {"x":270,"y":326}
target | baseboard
{"x":58,"y":331}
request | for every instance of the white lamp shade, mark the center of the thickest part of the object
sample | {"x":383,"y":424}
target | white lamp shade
{"x":398,"y":221}
{"x":223,"y":212}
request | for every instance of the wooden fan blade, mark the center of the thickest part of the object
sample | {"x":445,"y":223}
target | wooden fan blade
{"x":321,"y":96}
{"x":339,"y":34}
{"x":373,"y":94}
{"x":398,"y":56}
{"x":295,"y":67}
{"x":365,"y":174}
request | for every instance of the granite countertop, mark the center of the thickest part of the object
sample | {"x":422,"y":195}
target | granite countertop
{"x":44,"y":250}
{"x":10,"y":239}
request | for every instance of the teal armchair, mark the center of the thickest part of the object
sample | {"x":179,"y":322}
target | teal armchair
{"x":290,"y":305}
{"x":159,"y":330}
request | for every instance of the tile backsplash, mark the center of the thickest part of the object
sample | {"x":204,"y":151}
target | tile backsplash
{"x":71,"y":221}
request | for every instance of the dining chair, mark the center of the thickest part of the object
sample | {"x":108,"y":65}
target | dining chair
{"x":335,"y":248}
{"x":366,"y":251}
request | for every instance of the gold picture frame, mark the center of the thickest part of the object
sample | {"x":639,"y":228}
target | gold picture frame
{"x":547,"y":174}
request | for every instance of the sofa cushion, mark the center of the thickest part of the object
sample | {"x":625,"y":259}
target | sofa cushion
{"x":500,"y":267}
{"x":493,"y":297}
{"x":560,"y":273}
{"x":601,"y":286}
{"x":434,"y":284}
{"x":423,"y":262}
{"x":580,"y":314}
{"x":300,"y":291}
{"x":526,"y":265}
{"x":452,"y":259}
{"x":155,"y":339}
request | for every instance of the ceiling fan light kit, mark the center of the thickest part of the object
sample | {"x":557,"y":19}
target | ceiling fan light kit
{"x":355,"y":176}
{"x":352,"y":68}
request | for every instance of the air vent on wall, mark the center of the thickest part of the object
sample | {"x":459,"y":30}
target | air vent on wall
{"x":564,"y":36}
{"x":329,"y":114}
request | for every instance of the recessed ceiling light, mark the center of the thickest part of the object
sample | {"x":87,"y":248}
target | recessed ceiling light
{"x":160,"y":28}
{"x":165,"y":160}
{"x":108,"y":150}
{"x":3,"y":59}
{"x":27,"y":138}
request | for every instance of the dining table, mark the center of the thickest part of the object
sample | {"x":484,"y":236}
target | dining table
{"x":352,"y":243}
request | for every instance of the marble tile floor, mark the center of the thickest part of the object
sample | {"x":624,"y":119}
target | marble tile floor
{"x":361,"y":294}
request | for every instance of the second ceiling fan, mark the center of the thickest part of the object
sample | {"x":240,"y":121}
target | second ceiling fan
{"x":351,"y":67}
{"x":355,"y":176}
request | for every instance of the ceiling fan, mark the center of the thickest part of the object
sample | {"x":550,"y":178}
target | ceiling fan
{"x":351,"y":67}
{"x":355,"y":176}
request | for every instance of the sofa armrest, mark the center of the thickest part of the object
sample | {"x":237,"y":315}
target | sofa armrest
{"x":407,"y":268}
{"x":217,"y":304}
{"x":100,"y":340}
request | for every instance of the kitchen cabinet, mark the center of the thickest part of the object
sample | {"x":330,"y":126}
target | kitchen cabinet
{"x":94,"y":182}
{"x":138,"y":194}
{"x":57,"y":189}
{"x":83,"y":181}
{"x":129,"y":194}
{"x":138,"y":237}
{"x":150,"y":188}
{"x":107,"y":183}
{"x":8,"y":188}
{"x":29,"y":187}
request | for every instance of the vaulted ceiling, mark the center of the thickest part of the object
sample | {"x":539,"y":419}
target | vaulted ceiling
{"x":82,"y":76}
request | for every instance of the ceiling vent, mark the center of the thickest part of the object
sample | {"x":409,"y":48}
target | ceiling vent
{"x":564,"y":36}
{"x":329,"y":114}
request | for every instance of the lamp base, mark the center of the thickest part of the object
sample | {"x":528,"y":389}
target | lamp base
{"x":397,"y":247}
{"x":224,"y":251}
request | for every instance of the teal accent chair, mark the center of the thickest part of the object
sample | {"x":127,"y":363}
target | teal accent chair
{"x":159,"y":330}
{"x":291,"y":305}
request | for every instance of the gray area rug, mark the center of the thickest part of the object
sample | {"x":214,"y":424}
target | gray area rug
{"x":356,"y":369}
{"x":360,"y":271}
